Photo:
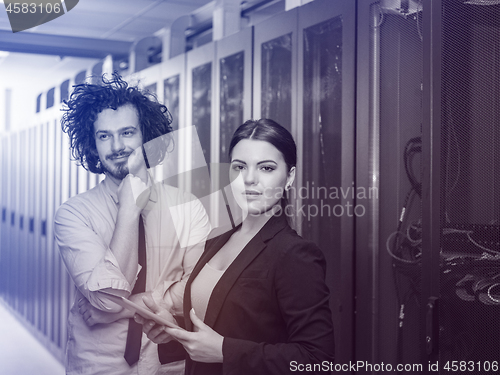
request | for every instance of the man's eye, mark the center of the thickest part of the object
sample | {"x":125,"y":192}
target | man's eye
{"x":103,"y":137}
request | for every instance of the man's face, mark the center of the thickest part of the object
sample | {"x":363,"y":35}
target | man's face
{"x":117,"y":135}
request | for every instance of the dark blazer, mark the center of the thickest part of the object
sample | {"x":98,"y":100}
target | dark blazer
{"x":271,"y":305}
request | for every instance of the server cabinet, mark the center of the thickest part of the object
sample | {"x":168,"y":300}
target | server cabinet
{"x":57,"y":262}
{"x":73,"y":178}
{"x":149,"y":80}
{"x":467,"y":219}
{"x":388,"y":135}
{"x":42,"y":246}
{"x":275,"y":69}
{"x":47,"y":235}
{"x":200,"y":100}
{"x":67,"y":286}
{"x":82,"y":177}
{"x":16,"y":272}
{"x":49,"y":254}
{"x":4,"y":230}
{"x":200,"y":93}
{"x":10,"y":219}
{"x":233,"y":84}
{"x":65,"y":167}
{"x":304,"y":79}
{"x":93,"y":180}
{"x":427,"y":89}
{"x":61,"y":280}
{"x":232,"y":106}
{"x":23,"y":270}
{"x":14,"y":220}
{"x":173,"y":74}
{"x":174,"y":89}
{"x":5,"y":215}
{"x":31,"y":256}
{"x":325,"y":126}
{"x":38,"y":227}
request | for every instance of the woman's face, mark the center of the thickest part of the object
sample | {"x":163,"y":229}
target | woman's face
{"x":259,"y":174}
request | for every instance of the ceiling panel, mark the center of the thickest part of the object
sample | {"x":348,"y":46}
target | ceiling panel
{"x":126,"y":20}
{"x":114,"y":20}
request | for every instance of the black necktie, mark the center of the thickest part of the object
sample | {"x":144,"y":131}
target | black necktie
{"x":134,"y":335}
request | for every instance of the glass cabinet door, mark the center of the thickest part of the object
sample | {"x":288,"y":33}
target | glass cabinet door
{"x":200,"y":92}
{"x":232,"y":106}
{"x":275,"y":64}
{"x":173,"y":95}
{"x":200,"y":81}
{"x":233,"y":85}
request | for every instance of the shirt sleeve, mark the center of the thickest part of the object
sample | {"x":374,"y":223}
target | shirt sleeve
{"x":192,"y":236}
{"x":303,"y":299}
{"x":88,"y":259}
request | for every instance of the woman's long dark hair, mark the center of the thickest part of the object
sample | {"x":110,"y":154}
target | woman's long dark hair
{"x":269,"y":131}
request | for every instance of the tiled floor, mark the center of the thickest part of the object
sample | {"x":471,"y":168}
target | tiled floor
{"x":20,"y":352}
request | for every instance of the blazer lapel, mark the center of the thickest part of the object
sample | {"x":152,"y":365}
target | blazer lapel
{"x":247,"y":255}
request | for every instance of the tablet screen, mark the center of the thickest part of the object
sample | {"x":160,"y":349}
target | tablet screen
{"x":141,"y":310}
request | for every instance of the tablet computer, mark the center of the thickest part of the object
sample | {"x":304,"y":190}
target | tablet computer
{"x":138,"y":309}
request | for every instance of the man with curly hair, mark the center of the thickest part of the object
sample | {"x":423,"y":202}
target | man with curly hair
{"x":113,"y":239}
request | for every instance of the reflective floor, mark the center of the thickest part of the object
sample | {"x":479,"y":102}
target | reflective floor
{"x":20,"y":352}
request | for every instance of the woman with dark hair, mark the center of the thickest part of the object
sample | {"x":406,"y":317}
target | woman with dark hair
{"x":257,"y":302}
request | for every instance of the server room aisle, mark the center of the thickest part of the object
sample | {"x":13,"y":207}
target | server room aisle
{"x":20,"y":352}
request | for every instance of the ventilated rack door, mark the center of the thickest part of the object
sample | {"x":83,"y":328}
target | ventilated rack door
{"x":469,"y":290}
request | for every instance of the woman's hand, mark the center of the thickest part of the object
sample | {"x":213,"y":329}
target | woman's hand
{"x":93,"y":316}
{"x":202,"y":345}
{"x":154,"y":331}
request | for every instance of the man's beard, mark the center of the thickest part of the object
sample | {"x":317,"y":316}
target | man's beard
{"x":119,"y":172}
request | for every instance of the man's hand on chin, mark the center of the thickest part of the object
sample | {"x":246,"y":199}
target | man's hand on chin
{"x":133,"y":194}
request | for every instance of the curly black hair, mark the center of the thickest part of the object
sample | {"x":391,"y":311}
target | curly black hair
{"x":88,"y":100}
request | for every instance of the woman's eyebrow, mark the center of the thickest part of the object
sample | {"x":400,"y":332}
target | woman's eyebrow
{"x":266,"y":161}
{"x":260,"y":162}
